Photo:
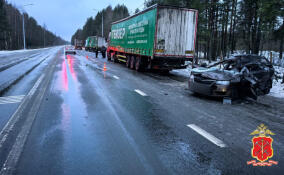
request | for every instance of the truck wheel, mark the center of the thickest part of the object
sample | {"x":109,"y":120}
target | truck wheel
{"x":138,"y":64}
{"x":128,"y":61}
{"x":113,"y":58}
{"x":132,"y":63}
{"x":108,"y":56}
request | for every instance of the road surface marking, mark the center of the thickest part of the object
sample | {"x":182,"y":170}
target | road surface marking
{"x":11,"y":99}
{"x":207,"y":135}
{"x":31,"y":104}
{"x":116,"y":77}
{"x":32,"y":91}
{"x":140,"y":92}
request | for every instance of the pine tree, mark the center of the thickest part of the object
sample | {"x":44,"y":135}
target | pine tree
{"x":4,"y":27}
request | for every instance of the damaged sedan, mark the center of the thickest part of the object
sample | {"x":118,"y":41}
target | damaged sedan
{"x":237,"y":77}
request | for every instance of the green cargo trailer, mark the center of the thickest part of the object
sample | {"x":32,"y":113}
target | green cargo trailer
{"x":96,"y":44}
{"x":160,"y":37}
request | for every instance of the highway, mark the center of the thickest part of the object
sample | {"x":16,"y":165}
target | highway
{"x":78,"y":114}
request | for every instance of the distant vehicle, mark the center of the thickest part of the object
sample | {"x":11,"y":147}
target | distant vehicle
{"x":96,"y":44}
{"x":69,"y":50}
{"x":237,"y":77}
{"x":78,"y":44}
{"x":160,"y":37}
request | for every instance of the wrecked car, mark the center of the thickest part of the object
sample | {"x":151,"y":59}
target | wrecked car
{"x":237,"y":77}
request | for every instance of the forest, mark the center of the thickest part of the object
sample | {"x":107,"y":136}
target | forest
{"x":11,"y":30}
{"x":93,"y":26}
{"x":224,"y":26}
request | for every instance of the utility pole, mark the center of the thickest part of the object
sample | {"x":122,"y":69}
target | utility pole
{"x":24,"y":33}
{"x":102,"y":23}
{"x":44,"y":28}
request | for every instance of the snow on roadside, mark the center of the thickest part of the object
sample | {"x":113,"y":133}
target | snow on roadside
{"x":182,"y":72}
{"x":277,"y":89}
{"x":8,"y":52}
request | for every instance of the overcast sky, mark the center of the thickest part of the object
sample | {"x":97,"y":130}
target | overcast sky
{"x":64,"y":17}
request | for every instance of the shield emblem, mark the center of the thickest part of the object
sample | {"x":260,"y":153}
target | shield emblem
{"x":262,"y":148}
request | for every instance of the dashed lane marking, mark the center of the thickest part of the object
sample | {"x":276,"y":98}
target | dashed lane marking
{"x":116,"y":77}
{"x":140,"y":92}
{"x":32,"y":91}
{"x":207,"y":135}
{"x":11,"y":99}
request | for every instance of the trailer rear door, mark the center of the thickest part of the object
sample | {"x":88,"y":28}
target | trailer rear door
{"x":176,"y":32}
{"x":101,"y":41}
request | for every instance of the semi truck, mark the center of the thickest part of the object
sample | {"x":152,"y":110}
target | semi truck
{"x":160,"y":37}
{"x":78,"y":44}
{"x":96,"y":44}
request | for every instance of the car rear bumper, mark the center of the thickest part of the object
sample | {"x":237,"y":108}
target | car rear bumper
{"x":70,"y":52}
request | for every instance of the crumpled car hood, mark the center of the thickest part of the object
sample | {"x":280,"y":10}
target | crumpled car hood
{"x":215,"y":73}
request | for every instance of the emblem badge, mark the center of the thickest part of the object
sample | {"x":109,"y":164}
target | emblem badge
{"x":262,"y":147}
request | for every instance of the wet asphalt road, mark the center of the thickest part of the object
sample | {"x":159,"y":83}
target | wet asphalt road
{"x":120,"y":121}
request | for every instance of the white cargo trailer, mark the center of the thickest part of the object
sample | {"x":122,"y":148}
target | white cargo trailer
{"x":160,"y":37}
{"x":176,"y":32}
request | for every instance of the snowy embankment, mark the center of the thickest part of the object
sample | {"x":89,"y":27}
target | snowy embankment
{"x":8,"y":52}
{"x":277,"y":89}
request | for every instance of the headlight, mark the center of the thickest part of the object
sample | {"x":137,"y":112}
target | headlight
{"x":223,"y":82}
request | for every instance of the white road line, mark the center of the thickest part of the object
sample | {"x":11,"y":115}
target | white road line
{"x":140,"y":92}
{"x":116,"y":77}
{"x":11,"y":99}
{"x":17,"y":96}
{"x":3,"y":103}
{"x":32,"y":91}
{"x":207,"y":135}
